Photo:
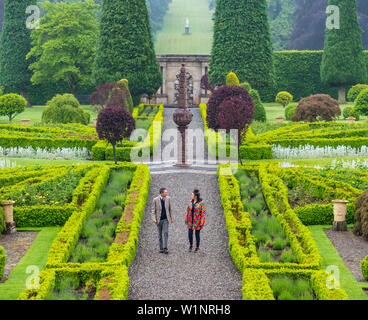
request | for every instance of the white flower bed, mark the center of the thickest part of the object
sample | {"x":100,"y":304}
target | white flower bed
{"x":308,"y":151}
{"x":54,"y":154}
{"x":349,"y":164}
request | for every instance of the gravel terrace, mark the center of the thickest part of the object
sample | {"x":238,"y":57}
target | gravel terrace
{"x":210,"y":274}
{"x":353,"y":250}
{"x":16,"y":246}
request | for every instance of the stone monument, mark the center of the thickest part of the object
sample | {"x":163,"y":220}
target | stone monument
{"x":182,"y":117}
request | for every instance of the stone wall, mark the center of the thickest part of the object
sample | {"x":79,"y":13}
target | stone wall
{"x":170,"y":64}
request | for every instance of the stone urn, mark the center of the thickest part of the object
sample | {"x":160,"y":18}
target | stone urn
{"x":351,"y":120}
{"x":339,"y":223}
{"x":280,"y":119}
{"x":25,"y":121}
{"x":9,"y":219}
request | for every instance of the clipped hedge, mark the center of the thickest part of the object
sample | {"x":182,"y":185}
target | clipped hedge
{"x":2,"y":261}
{"x":364,"y":267}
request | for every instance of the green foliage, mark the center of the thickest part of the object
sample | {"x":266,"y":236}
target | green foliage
{"x":248,"y":18}
{"x":127,"y":48}
{"x":351,"y":112}
{"x":361,"y":216}
{"x":289,"y":111}
{"x":259,"y":110}
{"x":361,"y":102}
{"x":65,"y":44}
{"x":11,"y":105}
{"x":287,"y":289}
{"x":2,"y":220}
{"x":364,"y":267}
{"x":232,"y":79}
{"x":343,"y":60}
{"x":65,"y":109}
{"x":2,"y":261}
{"x":355,"y":90}
{"x":284,"y":98}
{"x":246,"y":86}
{"x":15,"y":43}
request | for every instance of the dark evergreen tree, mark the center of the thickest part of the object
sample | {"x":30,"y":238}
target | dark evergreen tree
{"x":343,"y":61}
{"x":310,"y":21}
{"x":242,"y":43}
{"x":125,"y":48}
{"x":15,"y":43}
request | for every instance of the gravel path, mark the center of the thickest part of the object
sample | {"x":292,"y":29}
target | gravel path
{"x":16,"y":246}
{"x":353,"y":250}
{"x":211,"y":274}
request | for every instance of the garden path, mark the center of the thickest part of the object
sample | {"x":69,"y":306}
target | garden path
{"x":210,"y":274}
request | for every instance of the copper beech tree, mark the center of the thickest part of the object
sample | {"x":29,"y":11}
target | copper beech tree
{"x":114,"y":124}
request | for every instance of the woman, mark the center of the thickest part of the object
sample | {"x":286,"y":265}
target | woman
{"x":196,"y":216}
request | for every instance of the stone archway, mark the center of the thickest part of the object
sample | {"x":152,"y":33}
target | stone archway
{"x":170,"y":64}
{"x":189,"y":89}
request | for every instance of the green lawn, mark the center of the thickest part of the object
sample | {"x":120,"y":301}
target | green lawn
{"x":35,"y":256}
{"x":330,"y":257}
{"x":172,"y":38}
{"x":6,"y":162}
{"x":35,"y":113}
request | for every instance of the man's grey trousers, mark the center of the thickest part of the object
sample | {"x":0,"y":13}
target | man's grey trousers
{"x":163,"y":233}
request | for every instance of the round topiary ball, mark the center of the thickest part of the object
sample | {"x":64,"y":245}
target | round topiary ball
{"x":284,"y":98}
{"x":290,"y":111}
{"x":12,"y":104}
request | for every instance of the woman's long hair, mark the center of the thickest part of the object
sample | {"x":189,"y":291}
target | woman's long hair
{"x":197,"y":194}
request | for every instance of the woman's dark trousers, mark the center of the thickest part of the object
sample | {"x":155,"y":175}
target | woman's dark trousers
{"x":190,"y":236}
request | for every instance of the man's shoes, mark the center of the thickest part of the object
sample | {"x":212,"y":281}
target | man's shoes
{"x":162,"y":250}
{"x":190,"y":248}
{"x":166,"y":251}
{"x":196,"y":250}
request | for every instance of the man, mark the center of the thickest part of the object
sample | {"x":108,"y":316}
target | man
{"x":161,"y":214}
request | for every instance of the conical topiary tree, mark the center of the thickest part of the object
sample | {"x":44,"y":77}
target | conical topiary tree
{"x":242,"y":43}
{"x":343,"y":60}
{"x":126,"y":49}
{"x":15,"y":43}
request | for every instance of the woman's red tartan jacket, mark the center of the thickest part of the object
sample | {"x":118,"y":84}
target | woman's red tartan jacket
{"x":199,"y":216}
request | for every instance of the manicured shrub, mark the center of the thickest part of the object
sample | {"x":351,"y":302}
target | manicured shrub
{"x":319,"y":105}
{"x":361,"y":102}
{"x":11,"y":105}
{"x":355,"y":90}
{"x":246,"y":86}
{"x":259,"y":110}
{"x":2,"y":222}
{"x":218,"y":97}
{"x":2,"y":261}
{"x":284,"y":98}
{"x":351,"y":112}
{"x":114,"y":124}
{"x":289,"y":112}
{"x":65,"y":109}
{"x":205,"y":83}
{"x":361,"y":216}
{"x":232,"y":79}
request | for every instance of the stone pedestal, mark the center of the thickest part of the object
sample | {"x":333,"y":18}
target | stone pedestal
{"x":9,"y":220}
{"x":279,"y":119}
{"x":350,"y":120}
{"x":25,"y":121}
{"x":339,"y":223}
